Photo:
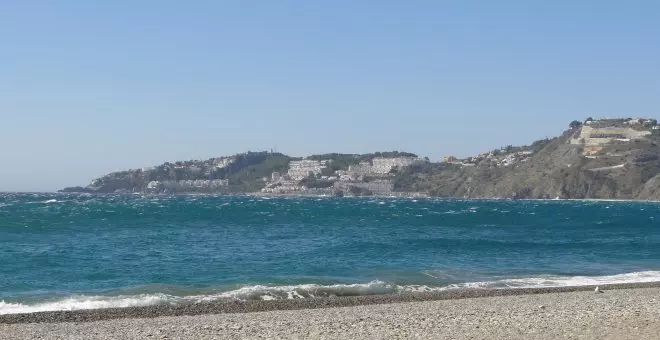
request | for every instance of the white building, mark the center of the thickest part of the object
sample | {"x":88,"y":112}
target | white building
{"x":385,"y":165}
{"x":304,"y":168}
{"x":223,"y":162}
{"x":382,"y":166}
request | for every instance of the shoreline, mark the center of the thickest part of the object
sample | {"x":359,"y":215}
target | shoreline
{"x":234,"y":307}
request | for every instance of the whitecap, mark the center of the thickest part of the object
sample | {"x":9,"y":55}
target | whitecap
{"x":253,"y":292}
{"x":547,"y":281}
{"x":85,"y":302}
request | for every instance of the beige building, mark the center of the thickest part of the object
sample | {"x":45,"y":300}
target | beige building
{"x":590,"y":136}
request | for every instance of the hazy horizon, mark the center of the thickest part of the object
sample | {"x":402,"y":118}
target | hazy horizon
{"x":89,"y":88}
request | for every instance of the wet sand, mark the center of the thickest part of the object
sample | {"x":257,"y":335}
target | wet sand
{"x":557,"y":313}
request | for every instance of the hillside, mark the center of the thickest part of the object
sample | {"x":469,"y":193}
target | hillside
{"x":615,"y":161}
{"x":233,"y":174}
{"x":604,"y":159}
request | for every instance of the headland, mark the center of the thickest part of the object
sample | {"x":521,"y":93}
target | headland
{"x":608,"y":158}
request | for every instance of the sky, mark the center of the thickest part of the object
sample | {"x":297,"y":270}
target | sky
{"x":90,"y":87}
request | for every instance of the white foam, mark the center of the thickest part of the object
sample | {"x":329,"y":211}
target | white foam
{"x":256,"y":292}
{"x":542,"y":282}
{"x":85,"y":302}
{"x":303,"y":291}
{"x":564,"y":281}
{"x":299,"y":291}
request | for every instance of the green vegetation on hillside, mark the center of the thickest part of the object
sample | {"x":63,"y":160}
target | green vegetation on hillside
{"x":413,"y":178}
{"x":246,"y":172}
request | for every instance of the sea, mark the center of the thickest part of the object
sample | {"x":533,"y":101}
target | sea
{"x":83,"y":251}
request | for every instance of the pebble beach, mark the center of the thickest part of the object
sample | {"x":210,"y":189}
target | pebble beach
{"x":620,"y":312}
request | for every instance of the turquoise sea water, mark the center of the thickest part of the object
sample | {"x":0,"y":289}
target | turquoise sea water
{"x":61,"y":251}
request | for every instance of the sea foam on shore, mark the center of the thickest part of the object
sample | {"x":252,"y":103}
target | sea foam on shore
{"x":310,"y":291}
{"x":620,"y":314}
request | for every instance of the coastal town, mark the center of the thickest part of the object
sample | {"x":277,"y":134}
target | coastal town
{"x":365,"y":177}
{"x":609,"y":143}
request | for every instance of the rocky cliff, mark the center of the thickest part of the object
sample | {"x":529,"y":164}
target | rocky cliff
{"x":615,"y":168}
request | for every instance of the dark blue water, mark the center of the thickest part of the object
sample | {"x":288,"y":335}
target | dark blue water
{"x":84,"y":251}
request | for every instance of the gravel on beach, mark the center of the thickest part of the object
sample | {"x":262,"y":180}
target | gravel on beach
{"x":615,"y":314}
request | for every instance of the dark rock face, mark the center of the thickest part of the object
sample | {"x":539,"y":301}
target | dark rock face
{"x":651,"y":189}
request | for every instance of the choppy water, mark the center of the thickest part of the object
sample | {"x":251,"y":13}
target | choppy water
{"x":61,"y":252}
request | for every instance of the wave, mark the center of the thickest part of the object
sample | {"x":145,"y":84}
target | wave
{"x":305,"y":291}
{"x":563,"y":281}
{"x":85,"y":302}
{"x":256,"y":292}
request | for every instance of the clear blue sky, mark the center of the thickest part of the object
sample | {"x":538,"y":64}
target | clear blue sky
{"x":89,"y":87}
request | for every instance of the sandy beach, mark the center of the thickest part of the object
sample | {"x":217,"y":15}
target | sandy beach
{"x":581,"y":314}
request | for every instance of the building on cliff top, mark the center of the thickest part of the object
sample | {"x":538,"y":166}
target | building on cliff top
{"x":593,"y":136}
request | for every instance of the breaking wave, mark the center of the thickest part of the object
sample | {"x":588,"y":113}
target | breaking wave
{"x":563,"y":281}
{"x":84,"y":302}
{"x":304,"y":291}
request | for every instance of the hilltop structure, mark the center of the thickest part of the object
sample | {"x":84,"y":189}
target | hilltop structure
{"x":597,"y":134}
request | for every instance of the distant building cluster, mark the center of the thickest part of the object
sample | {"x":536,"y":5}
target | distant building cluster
{"x":378,"y":171}
{"x":299,"y":170}
{"x":635,"y":122}
{"x":492,"y":159}
{"x":382,"y":166}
